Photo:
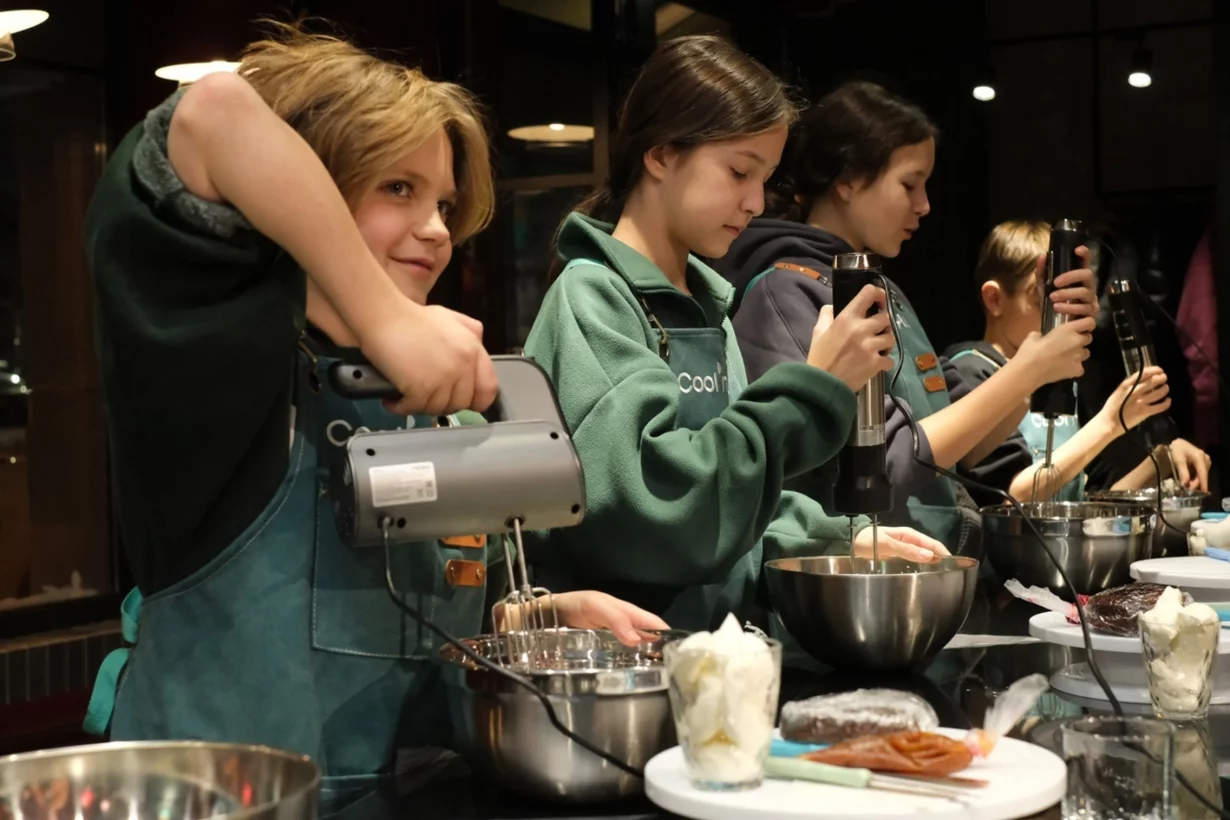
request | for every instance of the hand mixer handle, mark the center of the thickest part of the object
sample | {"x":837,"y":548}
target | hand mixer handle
{"x":525,"y":389}
{"x":1058,"y":398}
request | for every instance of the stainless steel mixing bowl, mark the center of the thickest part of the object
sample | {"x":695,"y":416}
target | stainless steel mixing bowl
{"x":158,"y":779}
{"x":1179,"y":510}
{"x":612,"y":695}
{"x":850,"y":617}
{"x":1096,"y":543}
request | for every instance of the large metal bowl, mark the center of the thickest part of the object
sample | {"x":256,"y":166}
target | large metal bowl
{"x":1179,"y":510}
{"x":850,"y":616}
{"x":1095,"y":542}
{"x":181,"y":780}
{"x":609,"y":694}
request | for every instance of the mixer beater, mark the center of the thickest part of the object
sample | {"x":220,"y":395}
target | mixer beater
{"x":530,"y":624}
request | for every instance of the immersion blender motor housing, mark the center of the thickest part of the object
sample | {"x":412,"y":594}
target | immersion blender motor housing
{"x":862,"y":482}
{"x":1058,"y":398}
{"x":1136,"y":345}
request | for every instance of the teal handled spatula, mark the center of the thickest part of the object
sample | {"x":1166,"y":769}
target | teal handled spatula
{"x":796,"y":768}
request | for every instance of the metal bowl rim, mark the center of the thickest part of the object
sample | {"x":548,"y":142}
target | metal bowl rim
{"x":100,"y":749}
{"x":1132,"y":510}
{"x":641,"y":679}
{"x":964,"y":564}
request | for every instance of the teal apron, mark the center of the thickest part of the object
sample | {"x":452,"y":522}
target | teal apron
{"x":934,"y":508}
{"x":710,"y":378}
{"x":288,"y":638}
{"x":1033,"y":429}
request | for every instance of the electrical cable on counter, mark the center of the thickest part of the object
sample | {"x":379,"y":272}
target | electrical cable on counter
{"x":1087,"y":638}
{"x":491,"y":666}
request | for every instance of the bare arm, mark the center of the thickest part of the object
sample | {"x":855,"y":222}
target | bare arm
{"x":227,"y":145}
{"x":1070,"y":458}
{"x":957,"y":432}
{"x":1143,"y":475}
{"x":996,"y":437}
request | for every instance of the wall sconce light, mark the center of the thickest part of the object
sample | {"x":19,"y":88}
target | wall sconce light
{"x":12,"y":22}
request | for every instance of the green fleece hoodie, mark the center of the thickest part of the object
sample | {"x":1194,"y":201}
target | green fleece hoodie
{"x":679,"y":520}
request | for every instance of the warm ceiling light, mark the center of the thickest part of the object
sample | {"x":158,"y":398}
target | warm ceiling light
{"x":984,"y":93}
{"x":1142,"y":68}
{"x":185,"y":73}
{"x":12,"y":22}
{"x":555,"y":132}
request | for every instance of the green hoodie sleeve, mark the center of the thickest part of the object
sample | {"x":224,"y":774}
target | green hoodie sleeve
{"x":665,"y":505}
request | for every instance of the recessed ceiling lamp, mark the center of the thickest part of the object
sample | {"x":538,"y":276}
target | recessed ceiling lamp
{"x":556,"y":132}
{"x":12,"y":22}
{"x":184,"y":73}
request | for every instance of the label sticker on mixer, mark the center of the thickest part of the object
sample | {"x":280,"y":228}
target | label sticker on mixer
{"x":396,"y":484}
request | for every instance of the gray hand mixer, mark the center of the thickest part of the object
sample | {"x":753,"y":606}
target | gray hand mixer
{"x":518,"y":472}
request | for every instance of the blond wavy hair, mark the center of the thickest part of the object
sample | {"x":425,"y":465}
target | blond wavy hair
{"x":361,"y":114}
{"x":1010,"y":253}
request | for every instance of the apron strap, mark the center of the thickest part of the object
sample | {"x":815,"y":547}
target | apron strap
{"x":979,"y":354}
{"x":664,"y":342}
{"x":102,"y":699}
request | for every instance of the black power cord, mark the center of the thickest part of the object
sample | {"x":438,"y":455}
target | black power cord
{"x":491,"y":666}
{"x":1116,"y":707}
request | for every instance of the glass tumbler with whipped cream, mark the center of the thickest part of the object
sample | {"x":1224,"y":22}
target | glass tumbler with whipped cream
{"x":723,"y":690}
{"x":1180,"y":653}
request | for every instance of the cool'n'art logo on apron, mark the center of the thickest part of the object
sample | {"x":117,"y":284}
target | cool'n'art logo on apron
{"x":717,"y":382}
{"x":1039,"y":421}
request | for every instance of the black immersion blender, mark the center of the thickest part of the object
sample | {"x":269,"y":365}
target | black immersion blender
{"x":862,"y":477}
{"x":1136,"y":345}
{"x":1058,"y":398}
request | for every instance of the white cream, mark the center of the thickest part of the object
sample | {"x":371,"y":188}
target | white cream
{"x":728,"y":681}
{"x":1179,"y":641}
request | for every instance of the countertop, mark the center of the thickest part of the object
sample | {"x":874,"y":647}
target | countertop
{"x":994,"y":652}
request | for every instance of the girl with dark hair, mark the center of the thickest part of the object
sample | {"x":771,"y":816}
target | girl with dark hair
{"x":855,"y":179}
{"x":684,"y":459}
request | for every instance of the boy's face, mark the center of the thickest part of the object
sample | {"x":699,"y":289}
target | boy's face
{"x":402,"y":216}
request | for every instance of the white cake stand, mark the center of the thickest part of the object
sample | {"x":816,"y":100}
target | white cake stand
{"x":1120,"y":659}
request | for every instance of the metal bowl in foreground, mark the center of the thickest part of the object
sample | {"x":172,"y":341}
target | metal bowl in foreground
{"x":612,"y":695}
{"x":1095,"y":542}
{"x":1179,"y":510}
{"x":155,"y":779}
{"x":849,"y":616}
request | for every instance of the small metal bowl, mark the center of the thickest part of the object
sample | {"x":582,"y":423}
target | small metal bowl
{"x":151,"y":779}
{"x":612,"y":695}
{"x":1179,"y":510}
{"x":1095,"y":542}
{"x":848,"y":615}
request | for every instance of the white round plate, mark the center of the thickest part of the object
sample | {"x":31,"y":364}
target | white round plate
{"x":1023,"y":779}
{"x":1077,"y":684}
{"x":1195,"y":571}
{"x":1053,"y":627}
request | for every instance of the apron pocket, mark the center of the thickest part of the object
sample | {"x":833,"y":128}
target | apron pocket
{"x":351,"y":609}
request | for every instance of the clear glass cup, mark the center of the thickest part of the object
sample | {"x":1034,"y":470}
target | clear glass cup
{"x":1179,"y":668}
{"x":725,"y":708}
{"x":1119,"y":767}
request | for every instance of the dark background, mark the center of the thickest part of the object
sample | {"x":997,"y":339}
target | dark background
{"x":1065,"y":137}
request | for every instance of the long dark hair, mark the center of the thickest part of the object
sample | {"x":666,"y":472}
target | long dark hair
{"x":850,"y":134}
{"x":691,"y":91}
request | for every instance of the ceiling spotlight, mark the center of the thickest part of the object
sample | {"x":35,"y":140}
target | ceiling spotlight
{"x":185,"y":73}
{"x":984,"y":92}
{"x":1142,"y":68}
{"x":556,"y":132}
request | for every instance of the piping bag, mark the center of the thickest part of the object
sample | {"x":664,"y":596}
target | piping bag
{"x":1005,"y":713}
